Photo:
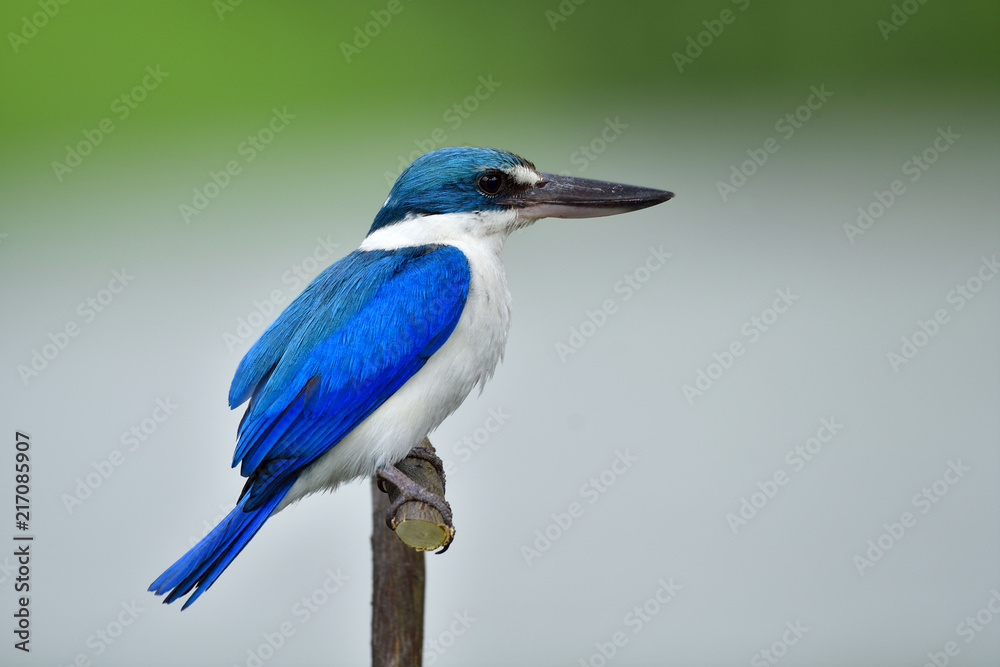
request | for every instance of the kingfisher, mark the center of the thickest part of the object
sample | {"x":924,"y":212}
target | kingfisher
{"x":386,"y":342}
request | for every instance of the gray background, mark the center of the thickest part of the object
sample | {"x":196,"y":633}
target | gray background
{"x":665,"y":518}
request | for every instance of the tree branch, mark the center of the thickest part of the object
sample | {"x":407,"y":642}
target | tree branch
{"x":397,"y":593}
{"x":397,"y":569}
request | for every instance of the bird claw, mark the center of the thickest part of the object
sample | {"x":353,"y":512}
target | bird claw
{"x":410,"y":490}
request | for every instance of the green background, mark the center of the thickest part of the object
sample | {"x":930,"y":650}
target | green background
{"x":227,"y":69}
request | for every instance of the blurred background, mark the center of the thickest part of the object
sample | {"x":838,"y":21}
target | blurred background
{"x":756,"y":424}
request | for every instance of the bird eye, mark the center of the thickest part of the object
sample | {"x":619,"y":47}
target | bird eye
{"x":490,"y":183}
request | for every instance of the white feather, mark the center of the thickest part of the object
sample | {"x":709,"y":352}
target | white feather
{"x":524,"y":175}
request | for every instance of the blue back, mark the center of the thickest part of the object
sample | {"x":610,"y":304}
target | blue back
{"x":359,"y":331}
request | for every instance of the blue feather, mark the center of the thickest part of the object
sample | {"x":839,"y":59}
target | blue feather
{"x":202,"y":565}
{"x":353,"y":337}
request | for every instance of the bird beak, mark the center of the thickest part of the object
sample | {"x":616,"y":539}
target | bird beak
{"x":572,"y":197}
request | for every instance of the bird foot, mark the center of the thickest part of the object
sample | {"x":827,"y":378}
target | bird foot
{"x":425,"y":453}
{"x":410,"y":490}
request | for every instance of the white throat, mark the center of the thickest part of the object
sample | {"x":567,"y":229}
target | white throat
{"x":457,"y":229}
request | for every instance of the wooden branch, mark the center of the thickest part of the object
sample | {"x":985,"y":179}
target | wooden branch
{"x":397,"y":594}
{"x":397,"y":569}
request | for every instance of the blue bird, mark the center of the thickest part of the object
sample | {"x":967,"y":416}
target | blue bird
{"x":388,"y":341}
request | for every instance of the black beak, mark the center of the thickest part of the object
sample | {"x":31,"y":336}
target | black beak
{"x":572,"y":197}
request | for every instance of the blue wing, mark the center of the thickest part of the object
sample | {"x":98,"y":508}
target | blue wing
{"x":351,"y":339}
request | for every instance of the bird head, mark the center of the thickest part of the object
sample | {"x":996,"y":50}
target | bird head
{"x":502,"y":191}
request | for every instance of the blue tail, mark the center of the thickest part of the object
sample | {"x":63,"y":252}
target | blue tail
{"x":202,"y":565}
